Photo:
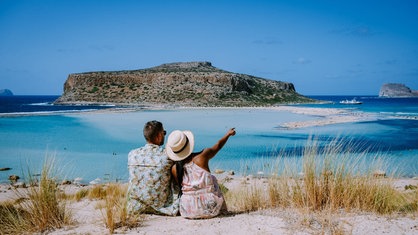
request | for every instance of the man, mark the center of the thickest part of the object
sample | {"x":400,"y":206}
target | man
{"x":149,"y":167}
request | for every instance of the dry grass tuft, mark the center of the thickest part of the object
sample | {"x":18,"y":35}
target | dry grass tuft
{"x":326,"y":181}
{"x":332,"y":178}
{"x":80,"y":194}
{"x":412,"y":201}
{"x":248,"y":198}
{"x":114,"y":211}
{"x":42,"y":209}
{"x":96,"y":192}
{"x":12,"y":218}
{"x":111,"y":201}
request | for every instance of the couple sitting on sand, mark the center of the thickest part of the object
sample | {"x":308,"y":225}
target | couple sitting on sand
{"x":152,"y":168}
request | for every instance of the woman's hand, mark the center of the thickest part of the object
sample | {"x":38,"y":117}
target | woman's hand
{"x":231,"y":132}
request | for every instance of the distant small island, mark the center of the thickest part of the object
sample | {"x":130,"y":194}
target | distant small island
{"x":393,"y":90}
{"x":6,"y":92}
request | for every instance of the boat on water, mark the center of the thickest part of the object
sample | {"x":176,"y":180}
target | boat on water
{"x":353,"y":101}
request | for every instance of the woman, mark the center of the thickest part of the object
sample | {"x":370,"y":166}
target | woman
{"x":201,"y":196}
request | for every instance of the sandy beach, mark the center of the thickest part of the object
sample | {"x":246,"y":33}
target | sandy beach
{"x":324,"y":116}
{"x":277,"y":221}
{"x":90,"y":220}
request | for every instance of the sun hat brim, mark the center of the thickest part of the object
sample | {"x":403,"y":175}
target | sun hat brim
{"x":185,"y":152}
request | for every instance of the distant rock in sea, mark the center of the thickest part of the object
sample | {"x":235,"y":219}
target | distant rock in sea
{"x":6,"y":92}
{"x":396,"y":90}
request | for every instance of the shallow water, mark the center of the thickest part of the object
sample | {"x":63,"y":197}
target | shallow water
{"x":95,"y":145}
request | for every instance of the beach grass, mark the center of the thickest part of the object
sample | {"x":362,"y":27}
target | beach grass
{"x":249,"y":198}
{"x":115,"y":209}
{"x":40,"y":208}
{"x":333,"y":177}
{"x":97,"y":192}
{"x":112,"y":202}
{"x":80,"y":194}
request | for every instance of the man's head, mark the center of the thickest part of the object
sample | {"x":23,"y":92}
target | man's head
{"x":154,"y":132}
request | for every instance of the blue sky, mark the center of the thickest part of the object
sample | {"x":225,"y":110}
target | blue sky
{"x":322,"y":47}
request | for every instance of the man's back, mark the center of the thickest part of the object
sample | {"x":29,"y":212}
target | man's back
{"x":150,"y":181}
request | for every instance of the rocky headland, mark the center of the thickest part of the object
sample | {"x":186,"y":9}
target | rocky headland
{"x":177,"y":84}
{"x":6,"y":92}
{"x":396,"y":90}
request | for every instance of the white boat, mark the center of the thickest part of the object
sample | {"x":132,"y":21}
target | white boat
{"x":353,"y":101}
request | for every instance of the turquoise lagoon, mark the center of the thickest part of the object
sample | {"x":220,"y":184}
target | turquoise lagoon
{"x":94,"y":145}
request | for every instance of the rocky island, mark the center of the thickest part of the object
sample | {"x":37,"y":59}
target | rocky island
{"x":396,"y":90}
{"x":177,"y":84}
{"x":6,"y":92}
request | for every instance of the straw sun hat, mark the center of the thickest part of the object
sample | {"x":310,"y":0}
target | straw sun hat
{"x":179,"y":145}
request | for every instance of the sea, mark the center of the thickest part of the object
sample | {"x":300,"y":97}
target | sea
{"x":92,"y":142}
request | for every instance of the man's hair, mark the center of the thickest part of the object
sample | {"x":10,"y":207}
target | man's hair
{"x":151,"y":130}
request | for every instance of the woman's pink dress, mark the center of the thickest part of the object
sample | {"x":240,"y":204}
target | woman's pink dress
{"x":202,"y":197}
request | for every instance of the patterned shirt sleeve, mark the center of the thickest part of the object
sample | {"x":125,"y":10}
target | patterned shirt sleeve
{"x":150,"y":181}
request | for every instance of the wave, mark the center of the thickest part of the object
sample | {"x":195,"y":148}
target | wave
{"x":94,"y":105}
{"x":78,"y":105}
{"x":40,"y":113}
{"x":399,"y":113}
{"x":41,"y":104}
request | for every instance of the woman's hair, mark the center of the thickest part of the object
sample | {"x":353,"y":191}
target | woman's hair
{"x":180,"y":169}
{"x":180,"y":174}
{"x":151,"y":130}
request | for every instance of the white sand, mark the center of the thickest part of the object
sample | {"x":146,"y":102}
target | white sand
{"x":89,"y":219}
{"x":324,"y":116}
{"x":319,"y":116}
{"x":122,"y":123}
{"x":260,"y":222}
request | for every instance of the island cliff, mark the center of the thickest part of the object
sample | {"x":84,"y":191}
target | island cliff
{"x":396,"y":90}
{"x":6,"y":92}
{"x":185,"y":84}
